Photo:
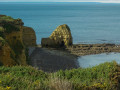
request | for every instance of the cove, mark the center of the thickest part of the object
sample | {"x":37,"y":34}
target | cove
{"x":92,"y":60}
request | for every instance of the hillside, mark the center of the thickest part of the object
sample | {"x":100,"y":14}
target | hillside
{"x":102,"y":77}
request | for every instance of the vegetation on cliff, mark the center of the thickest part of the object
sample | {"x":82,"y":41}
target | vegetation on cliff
{"x":101,"y":77}
{"x":12,"y":44}
{"x":6,"y":18}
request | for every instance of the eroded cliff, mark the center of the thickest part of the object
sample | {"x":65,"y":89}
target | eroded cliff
{"x":12,"y":43}
{"x":61,"y":37}
{"x":29,"y":37}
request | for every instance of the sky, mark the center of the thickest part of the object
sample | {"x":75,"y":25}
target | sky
{"x":104,"y":1}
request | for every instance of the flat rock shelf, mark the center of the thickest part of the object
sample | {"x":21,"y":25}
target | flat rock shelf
{"x":88,"y":49}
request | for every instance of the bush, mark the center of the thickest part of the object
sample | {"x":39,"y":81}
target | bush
{"x":97,"y":76}
{"x":57,"y":83}
{"x":29,"y":78}
{"x":10,"y":27}
{"x":6,"y":18}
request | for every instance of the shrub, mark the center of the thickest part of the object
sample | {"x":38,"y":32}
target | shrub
{"x":6,"y":18}
{"x":90,"y":77}
{"x":29,"y":78}
{"x":10,"y":27}
{"x":57,"y":83}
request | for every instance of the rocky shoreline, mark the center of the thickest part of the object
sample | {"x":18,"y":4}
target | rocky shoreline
{"x":57,"y":51}
{"x":62,"y":38}
{"x":53,"y":59}
{"x":88,"y":49}
{"x":82,"y":49}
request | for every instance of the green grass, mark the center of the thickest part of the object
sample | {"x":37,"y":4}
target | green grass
{"x":96,"y":76}
{"x":29,"y":78}
{"x":6,"y":18}
{"x":21,"y":78}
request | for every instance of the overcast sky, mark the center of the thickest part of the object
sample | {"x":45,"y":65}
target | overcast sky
{"x":109,"y":1}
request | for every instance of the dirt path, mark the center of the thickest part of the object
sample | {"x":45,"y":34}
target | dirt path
{"x":52,"y":60}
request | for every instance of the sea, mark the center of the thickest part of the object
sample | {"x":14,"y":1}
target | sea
{"x":90,"y":23}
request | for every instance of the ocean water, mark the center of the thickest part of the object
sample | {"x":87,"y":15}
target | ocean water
{"x":89,"y":22}
{"x":92,"y":60}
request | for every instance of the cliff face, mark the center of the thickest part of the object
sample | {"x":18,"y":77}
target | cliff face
{"x":6,"y":53}
{"x":15,"y":41}
{"x":29,"y":37}
{"x":12,"y":48}
{"x":61,"y":37}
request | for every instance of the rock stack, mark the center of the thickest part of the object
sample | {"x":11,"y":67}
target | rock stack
{"x":61,"y":37}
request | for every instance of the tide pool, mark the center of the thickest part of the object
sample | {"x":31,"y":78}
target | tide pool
{"x":92,"y":60}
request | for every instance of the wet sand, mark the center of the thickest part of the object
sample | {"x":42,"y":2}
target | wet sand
{"x":51,"y":60}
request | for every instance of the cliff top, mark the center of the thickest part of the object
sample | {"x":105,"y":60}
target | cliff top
{"x":6,"y":18}
{"x":64,"y":26}
{"x":8,"y":24}
{"x":10,"y":20}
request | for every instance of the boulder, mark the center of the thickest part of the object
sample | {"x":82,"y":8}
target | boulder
{"x":61,"y":37}
{"x":47,"y":42}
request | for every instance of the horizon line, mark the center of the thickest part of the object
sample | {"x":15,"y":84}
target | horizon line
{"x":58,"y":2}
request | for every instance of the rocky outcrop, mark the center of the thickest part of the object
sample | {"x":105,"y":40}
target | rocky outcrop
{"x":47,"y":42}
{"x":6,"y":53}
{"x":87,"y":49}
{"x":14,"y":39}
{"x":29,"y":37}
{"x":12,"y":48}
{"x":61,"y":37}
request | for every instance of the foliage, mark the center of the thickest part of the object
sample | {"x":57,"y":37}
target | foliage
{"x":22,"y":78}
{"x":98,"y":76}
{"x":29,"y":78}
{"x":59,"y":84}
{"x":10,"y":27}
{"x":6,"y":18}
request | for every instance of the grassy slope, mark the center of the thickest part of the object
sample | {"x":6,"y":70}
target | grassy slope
{"x":29,"y":78}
